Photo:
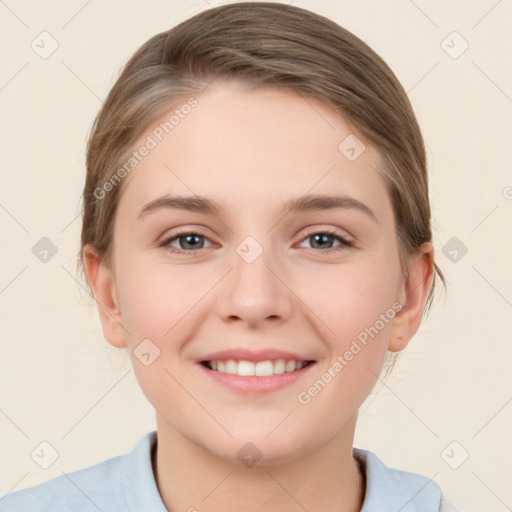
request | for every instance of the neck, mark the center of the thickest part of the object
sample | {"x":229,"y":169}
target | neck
{"x":190,"y":478}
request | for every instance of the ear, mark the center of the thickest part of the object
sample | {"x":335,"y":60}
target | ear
{"x":103,"y":286}
{"x":412,"y":294}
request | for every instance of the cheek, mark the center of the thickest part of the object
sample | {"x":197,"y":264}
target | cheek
{"x":349,"y":298}
{"x":355,"y":305}
{"x":159,"y":309}
{"x":159,"y":301}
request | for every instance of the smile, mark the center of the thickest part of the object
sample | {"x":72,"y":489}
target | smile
{"x":260,"y":369}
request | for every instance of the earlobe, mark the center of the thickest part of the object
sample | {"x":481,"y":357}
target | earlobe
{"x":412,"y":295}
{"x":103,"y":286}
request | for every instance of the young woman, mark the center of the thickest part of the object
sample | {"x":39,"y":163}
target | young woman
{"x":256,"y":232}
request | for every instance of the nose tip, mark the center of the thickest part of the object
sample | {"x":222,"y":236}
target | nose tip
{"x":253,"y":292}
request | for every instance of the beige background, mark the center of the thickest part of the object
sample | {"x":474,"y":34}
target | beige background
{"x":63,"y":384}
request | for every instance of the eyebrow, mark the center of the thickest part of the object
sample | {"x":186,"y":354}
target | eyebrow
{"x":307,"y":203}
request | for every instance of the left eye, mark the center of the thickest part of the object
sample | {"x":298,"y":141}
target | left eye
{"x":322,"y":237}
{"x":190,"y":242}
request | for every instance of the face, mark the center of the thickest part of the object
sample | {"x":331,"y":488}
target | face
{"x":317,"y":285}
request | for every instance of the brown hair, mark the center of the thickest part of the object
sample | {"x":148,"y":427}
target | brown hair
{"x":267,"y":44}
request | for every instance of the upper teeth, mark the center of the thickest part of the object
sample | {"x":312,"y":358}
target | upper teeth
{"x":260,"y":369}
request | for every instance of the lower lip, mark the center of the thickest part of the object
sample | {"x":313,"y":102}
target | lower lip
{"x":257,"y":385}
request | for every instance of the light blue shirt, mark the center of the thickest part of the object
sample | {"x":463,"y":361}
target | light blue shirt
{"x":126,"y":483}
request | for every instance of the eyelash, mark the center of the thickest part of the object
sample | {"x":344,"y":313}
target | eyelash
{"x":343,"y":245}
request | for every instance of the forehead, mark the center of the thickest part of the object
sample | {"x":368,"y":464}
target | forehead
{"x":251,"y":148}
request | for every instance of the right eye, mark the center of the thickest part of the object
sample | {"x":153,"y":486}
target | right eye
{"x":190,"y":244}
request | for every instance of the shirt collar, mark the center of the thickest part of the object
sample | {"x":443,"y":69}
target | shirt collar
{"x":387,"y":489}
{"x":139,"y":485}
{"x":393,"y":490}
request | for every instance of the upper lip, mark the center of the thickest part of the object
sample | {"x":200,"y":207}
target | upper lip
{"x":243,"y":354}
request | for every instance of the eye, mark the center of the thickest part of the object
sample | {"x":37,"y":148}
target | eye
{"x":321,"y":238}
{"x":191,"y":242}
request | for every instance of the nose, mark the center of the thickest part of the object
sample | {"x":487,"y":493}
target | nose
{"x":254,"y":292}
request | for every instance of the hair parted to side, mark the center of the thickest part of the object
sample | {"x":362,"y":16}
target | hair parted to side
{"x":271,"y":45}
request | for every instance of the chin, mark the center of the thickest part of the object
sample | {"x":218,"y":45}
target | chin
{"x":259,"y":450}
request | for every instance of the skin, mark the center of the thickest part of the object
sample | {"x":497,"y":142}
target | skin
{"x":250,"y":151}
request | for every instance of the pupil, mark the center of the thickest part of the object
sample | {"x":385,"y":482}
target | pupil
{"x":187,"y":239}
{"x":322,"y":238}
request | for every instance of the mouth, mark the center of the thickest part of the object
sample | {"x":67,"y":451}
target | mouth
{"x":252,"y":378}
{"x":266,"y":368}
{"x":254,"y":372}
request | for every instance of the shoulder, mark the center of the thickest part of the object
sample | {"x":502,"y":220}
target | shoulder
{"x":82,"y":490}
{"x":106,"y":486}
{"x":390,"y":489}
